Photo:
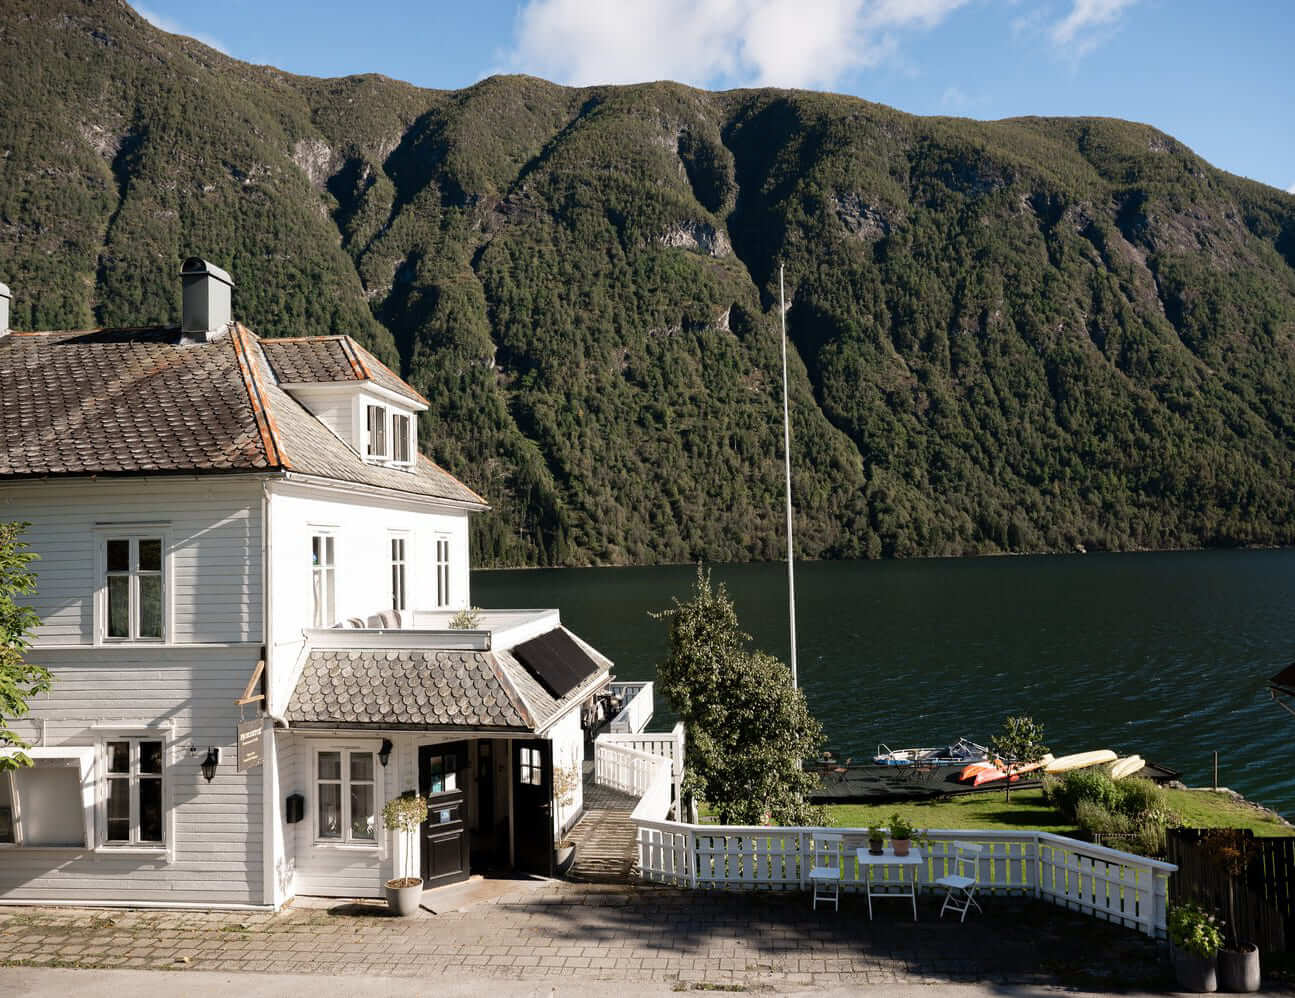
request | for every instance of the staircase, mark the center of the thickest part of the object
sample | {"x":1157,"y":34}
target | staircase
{"x":606,"y":850}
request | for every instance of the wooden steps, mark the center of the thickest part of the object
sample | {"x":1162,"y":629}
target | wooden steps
{"x":606,"y":851}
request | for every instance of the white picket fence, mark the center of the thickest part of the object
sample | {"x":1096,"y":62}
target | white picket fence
{"x":1098,"y":881}
{"x":668,"y":744}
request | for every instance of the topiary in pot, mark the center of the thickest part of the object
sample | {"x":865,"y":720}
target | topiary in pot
{"x":1195,"y":937}
{"x":901,"y":833}
{"x":405,"y":814}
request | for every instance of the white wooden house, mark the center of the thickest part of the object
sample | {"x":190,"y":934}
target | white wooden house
{"x":221,"y":518}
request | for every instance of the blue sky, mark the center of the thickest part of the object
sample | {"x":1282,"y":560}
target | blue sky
{"x":1216,"y":75}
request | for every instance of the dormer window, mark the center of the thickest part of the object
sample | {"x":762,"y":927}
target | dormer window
{"x":401,"y":451}
{"x":376,"y":423}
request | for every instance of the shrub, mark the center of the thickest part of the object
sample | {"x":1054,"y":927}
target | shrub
{"x":901,"y":827}
{"x":1138,"y":797}
{"x":1084,"y":785}
{"x":1096,"y":820}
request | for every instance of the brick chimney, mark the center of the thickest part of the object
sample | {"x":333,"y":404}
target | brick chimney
{"x":206,"y":313}
{"x":4,"y":310}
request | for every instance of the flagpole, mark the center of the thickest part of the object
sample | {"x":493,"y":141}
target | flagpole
{"x":786,"y":453}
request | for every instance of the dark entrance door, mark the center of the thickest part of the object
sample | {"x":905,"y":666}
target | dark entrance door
{"x":442,"y":778}
{"x":533,"y":805}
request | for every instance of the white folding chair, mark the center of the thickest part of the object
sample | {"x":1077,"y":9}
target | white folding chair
{"x":961,"y":888}
{"x":825,"y":868}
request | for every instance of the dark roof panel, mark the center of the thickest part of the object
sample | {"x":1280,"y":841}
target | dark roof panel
{"x":556,"y":661}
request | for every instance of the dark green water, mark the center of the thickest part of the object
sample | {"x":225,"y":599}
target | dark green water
{"x":1165,"y":655}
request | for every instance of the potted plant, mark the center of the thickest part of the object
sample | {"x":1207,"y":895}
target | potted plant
{"x":1195,"y":938}
{"x":565,"y":781}
{"x":876,"y":840}
{"x":403,"y":815}
{"x":901,"y":833}
{"x":1231,"y":849}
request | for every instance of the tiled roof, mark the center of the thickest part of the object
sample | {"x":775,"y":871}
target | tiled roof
{"x":133,"y":401}
{"x":124,"y":401}
{"x":315,"y":359}
{"x":405,"y":688}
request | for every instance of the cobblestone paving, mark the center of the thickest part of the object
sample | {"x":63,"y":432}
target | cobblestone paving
{"x":689,"y":940}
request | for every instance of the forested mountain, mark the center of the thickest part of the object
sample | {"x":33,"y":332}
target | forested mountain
{"x":1021,"y":335}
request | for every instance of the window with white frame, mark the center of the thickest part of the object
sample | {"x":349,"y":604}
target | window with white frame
{"x":134,"y":587}
{"x":323,"y":571}
{"x":401,"y":439}
{"x":346,"y":789}
{"x":442,"y":571}
{"x":376,"y":424}
{"x":131,"y":798}
{"x":530,"y":767}
{"x":41,"y":805}
{"x":398,"y":577}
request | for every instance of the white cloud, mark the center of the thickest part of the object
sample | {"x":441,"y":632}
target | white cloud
{"x":1083,"y":28}
{"x":172,"y":27}
{"x":1290,"y":189}
{"x":789,"y":43}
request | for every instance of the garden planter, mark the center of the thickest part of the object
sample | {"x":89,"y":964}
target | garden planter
{"x":1195,"y":973}
{"x":564,"y":857}
{"x":1239,"y":969}
{"x":875,"y":846}
{"x":900,"y":846}
{"x":404,"y":895}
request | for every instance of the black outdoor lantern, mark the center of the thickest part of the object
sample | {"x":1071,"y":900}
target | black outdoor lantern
{"x":384,"y":753}
{"x":210,"y":763}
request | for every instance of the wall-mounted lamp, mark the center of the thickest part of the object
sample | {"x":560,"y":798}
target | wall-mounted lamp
{"x":210,"y":763}
{"x":384,"y":753}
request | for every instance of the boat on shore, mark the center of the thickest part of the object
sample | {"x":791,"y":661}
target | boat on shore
{"x":961,"y":752}
{"x":1080,"y":760}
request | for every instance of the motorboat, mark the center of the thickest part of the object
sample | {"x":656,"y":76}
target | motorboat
{"x":960,"y":753}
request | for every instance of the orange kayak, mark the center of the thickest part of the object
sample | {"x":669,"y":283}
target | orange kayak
{"x":992,"y":775}
{"x":974,"y":769}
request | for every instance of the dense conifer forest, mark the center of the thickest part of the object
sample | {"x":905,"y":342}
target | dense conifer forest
{"x":1023,"y":335}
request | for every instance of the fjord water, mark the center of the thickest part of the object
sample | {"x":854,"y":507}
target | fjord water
{"x":1163,"y":654}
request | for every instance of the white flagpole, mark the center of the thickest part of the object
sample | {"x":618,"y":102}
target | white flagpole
{"x":786,"y":453}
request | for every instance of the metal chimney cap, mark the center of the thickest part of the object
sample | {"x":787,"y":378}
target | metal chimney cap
{"x":195,"y":266}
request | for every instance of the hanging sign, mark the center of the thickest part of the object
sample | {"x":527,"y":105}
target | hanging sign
{"x":249,"y":745}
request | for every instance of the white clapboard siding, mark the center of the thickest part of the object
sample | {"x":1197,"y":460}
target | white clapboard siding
{"x":214,"y":528}
{"x":363,"y":528}
{"x":215,"y":828}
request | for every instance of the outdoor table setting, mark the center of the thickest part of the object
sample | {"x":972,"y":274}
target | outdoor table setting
{"x":900,"y":888}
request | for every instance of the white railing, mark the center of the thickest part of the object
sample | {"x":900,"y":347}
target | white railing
{"x":639,"y":702}
{"x":1106,"y":883}
{"x":665,"y":744}
{"x":626,"y":769}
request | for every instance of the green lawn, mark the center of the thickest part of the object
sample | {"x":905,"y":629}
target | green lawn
{"x":1200,"y":808}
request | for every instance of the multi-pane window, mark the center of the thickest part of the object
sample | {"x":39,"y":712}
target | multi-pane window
{"x":398,"y":565}
{"x":347,"y":796}
{"x":443,"y":774}
{"x":323,"y":579}
{"x":442,"y":571}
{"x":132,"y":791}
{"x":530,"y":767}
{"x":376,"y":423}
{"x":401,"y":451}
{"x":134,"y":587}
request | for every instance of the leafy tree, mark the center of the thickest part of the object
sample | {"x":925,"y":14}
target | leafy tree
{"x":1018,"y":744}
{"x":19,"y":679}
{"x":748,"y":727}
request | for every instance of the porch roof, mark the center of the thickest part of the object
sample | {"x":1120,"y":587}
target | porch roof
{"x":430,"y":688}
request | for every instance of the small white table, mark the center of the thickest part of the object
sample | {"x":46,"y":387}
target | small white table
{"x":887,"y":889}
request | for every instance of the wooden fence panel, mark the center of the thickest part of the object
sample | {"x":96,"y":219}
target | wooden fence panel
{"x":1261,"y":894}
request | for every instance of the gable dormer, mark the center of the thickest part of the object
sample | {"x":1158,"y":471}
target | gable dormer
{"x":352,"y":393}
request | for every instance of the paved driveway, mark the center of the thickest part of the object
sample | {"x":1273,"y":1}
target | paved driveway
{"x":535,"y":931}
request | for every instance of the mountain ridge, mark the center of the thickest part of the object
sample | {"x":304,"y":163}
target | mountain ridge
{"x":1023,"y":335}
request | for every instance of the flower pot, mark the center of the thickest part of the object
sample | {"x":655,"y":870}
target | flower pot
{"x":875,"y":846}
{"x":1195,"y":973}
{"x":404,"y":895}
{"x":900,"y":846}
{"x":1239,"y":969}
{"x":564,"y":857}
